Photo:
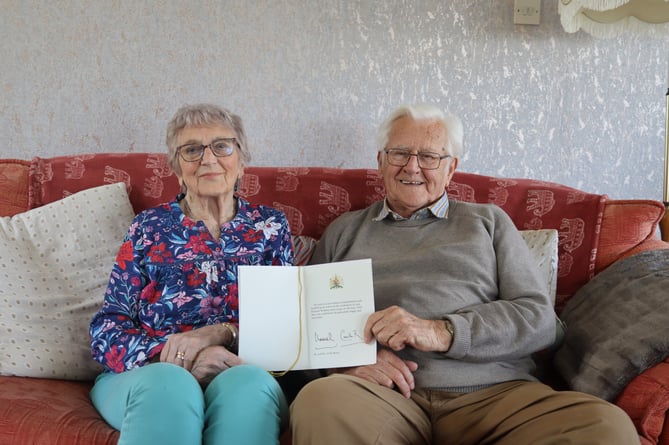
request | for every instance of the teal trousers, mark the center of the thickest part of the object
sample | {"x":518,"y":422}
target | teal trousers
{"x":163,"y":403}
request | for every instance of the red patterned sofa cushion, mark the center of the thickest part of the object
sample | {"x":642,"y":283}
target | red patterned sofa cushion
{"x":325,"y":192}
{"x":146,"y":175}
{"x":311,"y":197}
{"x":533,"y":204}
{"x":13,"y":186}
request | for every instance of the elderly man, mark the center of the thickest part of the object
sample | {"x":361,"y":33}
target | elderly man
{"x":460,"y":311}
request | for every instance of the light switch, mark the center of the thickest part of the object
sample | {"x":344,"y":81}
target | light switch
{"x":527,"y":12}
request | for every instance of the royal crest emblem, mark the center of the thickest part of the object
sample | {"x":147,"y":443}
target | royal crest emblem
{"x":336,"y":282}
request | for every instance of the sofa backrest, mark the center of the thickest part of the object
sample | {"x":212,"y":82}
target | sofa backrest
{"x":312,"y":197}
{"x":147,"y":177}
{"x":311,"y":201}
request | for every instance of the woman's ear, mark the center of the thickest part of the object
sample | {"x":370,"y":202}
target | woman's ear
{"x":182,"y":187}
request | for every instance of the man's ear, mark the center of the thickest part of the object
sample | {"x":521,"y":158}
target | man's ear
{"x":453,"y":165}
{"x":379,"y":159}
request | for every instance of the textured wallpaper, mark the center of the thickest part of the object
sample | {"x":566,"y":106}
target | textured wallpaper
{"x":312,"y":79}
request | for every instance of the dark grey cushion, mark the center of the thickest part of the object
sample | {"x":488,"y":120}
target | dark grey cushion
{"x":617,"y":325}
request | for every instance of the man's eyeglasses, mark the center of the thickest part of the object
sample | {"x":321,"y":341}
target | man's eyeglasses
{"x":427,"y":160}
{"x":220,"y":148}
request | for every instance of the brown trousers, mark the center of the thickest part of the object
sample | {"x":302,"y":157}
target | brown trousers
{"x":342,"y":409}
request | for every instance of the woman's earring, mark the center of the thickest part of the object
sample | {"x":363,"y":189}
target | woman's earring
{"x":182,"y":195}
{"x":236,"y":185}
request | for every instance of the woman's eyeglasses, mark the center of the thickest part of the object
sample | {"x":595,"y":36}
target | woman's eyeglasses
{"x":220,"y":148}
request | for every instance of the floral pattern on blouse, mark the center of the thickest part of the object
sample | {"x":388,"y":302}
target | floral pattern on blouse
{"x":171,"y":276}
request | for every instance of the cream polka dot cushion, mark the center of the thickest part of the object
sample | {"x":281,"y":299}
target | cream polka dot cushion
{"x":543,"y":245}
{"x":55,"y":262}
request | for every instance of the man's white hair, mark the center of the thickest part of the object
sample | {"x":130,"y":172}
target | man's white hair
{"x":425,"y":112}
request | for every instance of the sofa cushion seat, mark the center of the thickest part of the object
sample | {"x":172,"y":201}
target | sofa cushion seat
{"x":31,"y":408}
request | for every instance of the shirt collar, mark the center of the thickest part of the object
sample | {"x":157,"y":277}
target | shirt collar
{"x":439,"y":209}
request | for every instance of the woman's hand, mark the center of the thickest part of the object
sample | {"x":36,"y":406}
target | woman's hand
{"x":389,"y":371}
{"x":396,"y":328}
{"x":183,"y":348}
{"x":211,"y":361}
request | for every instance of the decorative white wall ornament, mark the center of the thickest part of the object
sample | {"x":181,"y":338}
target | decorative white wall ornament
{"x":610,"y":18}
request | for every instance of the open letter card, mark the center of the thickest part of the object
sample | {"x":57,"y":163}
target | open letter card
{"x":306,"y":317}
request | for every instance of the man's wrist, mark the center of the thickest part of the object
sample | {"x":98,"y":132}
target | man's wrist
{"x":451,"y":332}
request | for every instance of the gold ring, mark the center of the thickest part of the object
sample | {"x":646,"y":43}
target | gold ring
{"x":181,"y":355}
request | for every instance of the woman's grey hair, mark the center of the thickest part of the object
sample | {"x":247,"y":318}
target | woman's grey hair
{"x":204,"y":115}
{"x":425,"y":112}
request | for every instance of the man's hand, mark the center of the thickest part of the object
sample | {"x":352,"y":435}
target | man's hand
{"x":389,"y":370}
{"x":396,"y":328}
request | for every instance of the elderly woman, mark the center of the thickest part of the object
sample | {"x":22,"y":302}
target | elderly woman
{"x":167,"y":330}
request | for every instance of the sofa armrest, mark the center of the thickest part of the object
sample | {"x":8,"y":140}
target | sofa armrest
{"x":646,"y":400}
{"x":629,"y":226}
{"x":13,"y":186}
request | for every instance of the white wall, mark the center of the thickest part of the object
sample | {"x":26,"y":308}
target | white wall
{"x":313,"y":78}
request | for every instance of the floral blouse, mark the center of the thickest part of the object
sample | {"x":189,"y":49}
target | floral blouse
{"x":171,"y":276}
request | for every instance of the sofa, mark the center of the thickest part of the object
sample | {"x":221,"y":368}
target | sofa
{"x":44,"y":380}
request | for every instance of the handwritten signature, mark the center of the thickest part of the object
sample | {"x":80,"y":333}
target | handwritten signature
{"x":328,"y":340}
{"x":350,"y":336}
